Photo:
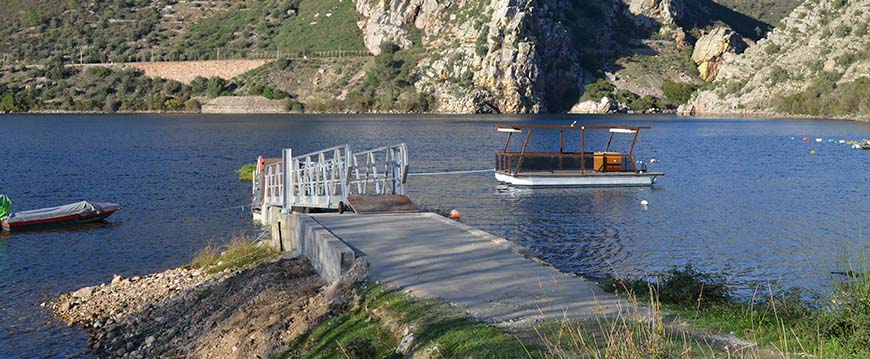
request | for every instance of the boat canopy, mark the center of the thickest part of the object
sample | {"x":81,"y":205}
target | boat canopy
{"x":79,"y":208}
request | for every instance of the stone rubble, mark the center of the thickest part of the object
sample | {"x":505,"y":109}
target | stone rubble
{"x":189,"y":313}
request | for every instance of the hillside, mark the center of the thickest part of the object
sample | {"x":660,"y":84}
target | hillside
{"x":462,"y":56}
{"x":817,"y":63}
{"x":152,"y":30}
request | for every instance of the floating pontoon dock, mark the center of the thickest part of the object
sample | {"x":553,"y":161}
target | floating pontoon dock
{"x":568,"y":168}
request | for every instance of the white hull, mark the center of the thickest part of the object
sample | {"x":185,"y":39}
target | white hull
{"x":595,"y":180}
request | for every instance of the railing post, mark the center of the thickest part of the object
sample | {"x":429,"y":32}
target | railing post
{"x":287,"y":167}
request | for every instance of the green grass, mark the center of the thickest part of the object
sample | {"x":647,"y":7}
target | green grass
{"x":241,"y":252}
{"x":335,"y":32}
{"x":246,"y":172}
{"x":440,"y":330}
{"x":790,"y":322}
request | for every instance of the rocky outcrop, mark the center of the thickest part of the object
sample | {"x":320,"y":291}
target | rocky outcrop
{"x":823,"y":39}
{"x":504,"y":56}
{"x":711,"y":48}
{"x":594,"y":107}
{"x":652,"y":13}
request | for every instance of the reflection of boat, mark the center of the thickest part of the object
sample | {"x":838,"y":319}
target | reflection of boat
{"x":71,"y":214}
{"x":865,"y":144}
{"x":572,"y":169}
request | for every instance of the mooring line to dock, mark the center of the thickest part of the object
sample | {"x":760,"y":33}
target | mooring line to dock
{"x":450,"y":172}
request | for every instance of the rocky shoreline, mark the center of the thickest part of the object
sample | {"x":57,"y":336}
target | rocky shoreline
{"x":182,"y":312}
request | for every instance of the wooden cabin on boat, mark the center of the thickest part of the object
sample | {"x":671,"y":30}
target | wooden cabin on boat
{"x":572,"y":168}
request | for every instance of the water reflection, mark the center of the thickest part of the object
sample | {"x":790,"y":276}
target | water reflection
{"x":739,"y":197}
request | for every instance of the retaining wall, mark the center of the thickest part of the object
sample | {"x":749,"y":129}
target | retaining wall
{"x":302,"y":235}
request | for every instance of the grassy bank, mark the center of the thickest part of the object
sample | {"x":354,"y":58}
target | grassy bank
{"x":787,"y":323}
{"x":379,"y":323}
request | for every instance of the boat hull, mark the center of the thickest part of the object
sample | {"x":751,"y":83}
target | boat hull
{"x":594,"y":180}
{"x":70,"y":220}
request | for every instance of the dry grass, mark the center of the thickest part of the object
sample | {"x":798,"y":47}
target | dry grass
{"x":240,"y":252}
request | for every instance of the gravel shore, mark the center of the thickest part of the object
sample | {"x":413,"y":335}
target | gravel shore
{"x":188,"y":313}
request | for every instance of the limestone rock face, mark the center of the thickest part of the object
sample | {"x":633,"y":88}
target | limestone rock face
{"x":496,"y":56}
{"x":388,"y":20}
{"x":819,"y":38}
{"x":711,"y":47}
{"x":593,"y":107}
{"x":655,"y":12}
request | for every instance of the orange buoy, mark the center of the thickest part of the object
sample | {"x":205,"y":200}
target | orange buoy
{"x":454,"y":215}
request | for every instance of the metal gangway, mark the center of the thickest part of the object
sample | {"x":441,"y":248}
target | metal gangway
{"x":333,"y":179}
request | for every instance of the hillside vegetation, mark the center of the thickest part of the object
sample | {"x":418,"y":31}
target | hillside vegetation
{"x":146,"y":30}
{"x":468,"y":56}
{"x":816,"y":63}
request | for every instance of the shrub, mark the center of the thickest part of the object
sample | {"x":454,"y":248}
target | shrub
{"x":678,"y":92}
{"x":360,"y":348}
{"x":216,"y":87}
{"x":192,"y":105}
{"x":481,"y":46}
{"x":598,"y":89}
{"x":687,"y":287}
{"x":778,"y":75}
{"x":772,"y":49}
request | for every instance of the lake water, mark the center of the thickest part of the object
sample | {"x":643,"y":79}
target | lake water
{"x":740,"y":197}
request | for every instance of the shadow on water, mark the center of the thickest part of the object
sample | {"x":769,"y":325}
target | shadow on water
{"x":70,"y":229}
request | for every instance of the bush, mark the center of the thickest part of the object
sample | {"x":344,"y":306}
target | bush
{"x":689,"y":288}
{"x":678,"y":92}
{"x":192,"y":105}
{"x":216,"y":87}
{"x":778,"y":75}
{"x":596,"y":90}
{"x":772,"y":49}
{"x":246,"y":172}
{"x":360,"y":348}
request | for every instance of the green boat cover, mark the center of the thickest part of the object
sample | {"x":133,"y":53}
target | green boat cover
{"x":5,"y":206}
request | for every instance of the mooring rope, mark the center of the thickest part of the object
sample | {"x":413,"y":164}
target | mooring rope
{"x":450,"y":172}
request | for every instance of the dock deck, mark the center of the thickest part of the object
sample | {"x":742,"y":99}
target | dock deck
{"x":430,"y":256}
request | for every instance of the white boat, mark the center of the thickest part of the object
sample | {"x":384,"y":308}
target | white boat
{"x":568,"y":168}
{"x":864,"y":144}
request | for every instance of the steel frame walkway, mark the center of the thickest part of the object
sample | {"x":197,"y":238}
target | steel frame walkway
{"x":325,"y":179}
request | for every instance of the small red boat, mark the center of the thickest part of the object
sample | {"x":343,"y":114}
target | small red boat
{"x":71,"y":214}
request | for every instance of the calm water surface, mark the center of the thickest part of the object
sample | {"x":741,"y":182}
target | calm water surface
{"x":741,"y":197}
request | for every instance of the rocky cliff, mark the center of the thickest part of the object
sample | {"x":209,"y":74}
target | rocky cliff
{"x":817,"y":62}
{"x":512,"y":56}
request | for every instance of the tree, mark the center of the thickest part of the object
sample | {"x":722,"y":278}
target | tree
{"x":678,"y":92}
{"x":216,"y":87}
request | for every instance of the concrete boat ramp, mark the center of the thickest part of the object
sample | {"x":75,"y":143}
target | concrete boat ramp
{"x":431,"y":256}
{"x":428,"y":256}
{"x":422,"y":253}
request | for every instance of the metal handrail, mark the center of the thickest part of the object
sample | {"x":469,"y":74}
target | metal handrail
{"x":324,"y":179}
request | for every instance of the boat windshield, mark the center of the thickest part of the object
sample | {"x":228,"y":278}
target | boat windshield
{"x":5,"y":206}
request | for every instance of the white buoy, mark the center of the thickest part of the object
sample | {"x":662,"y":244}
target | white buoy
{"x":653,"y":160}
{"x":818,"y":140}
{"x":644,"y":203}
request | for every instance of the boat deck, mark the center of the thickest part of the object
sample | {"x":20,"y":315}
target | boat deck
{"x":574,"y":173}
